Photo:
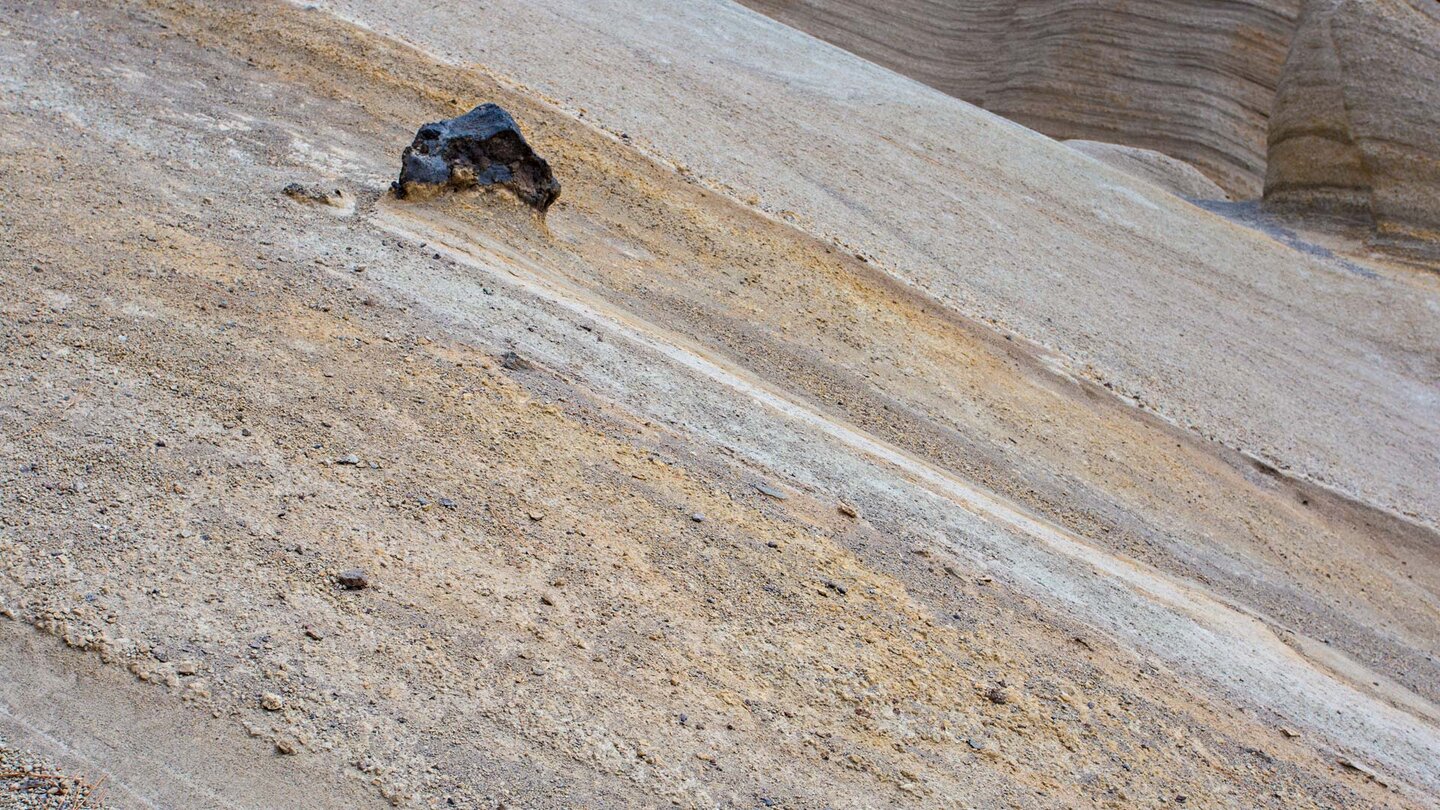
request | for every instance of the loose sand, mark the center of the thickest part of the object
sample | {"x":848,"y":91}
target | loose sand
{"x":1044,"y":594}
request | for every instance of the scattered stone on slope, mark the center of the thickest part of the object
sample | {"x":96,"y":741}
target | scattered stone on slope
{"x":28,"y":780}
{"x":515,"y":362}
{"x":1369,"y":773}
{"x":314,"y":195}
{"x":772,"y":492}
{"x":480,"y":148}
{"x":1000,"y":694}
{"x":353,"y":579}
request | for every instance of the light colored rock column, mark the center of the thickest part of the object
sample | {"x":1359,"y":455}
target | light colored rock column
{"x":1356,"y":126}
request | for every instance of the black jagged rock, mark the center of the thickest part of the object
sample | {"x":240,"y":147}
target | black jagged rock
{"x":480,"y":148}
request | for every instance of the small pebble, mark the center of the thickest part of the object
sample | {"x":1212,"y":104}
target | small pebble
{"x":766,"y":489}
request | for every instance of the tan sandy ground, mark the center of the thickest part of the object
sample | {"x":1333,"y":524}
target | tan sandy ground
{"x":1046,"y":597}
{"x":1315,"y":366}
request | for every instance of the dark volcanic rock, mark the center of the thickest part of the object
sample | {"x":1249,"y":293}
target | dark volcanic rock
{"x":515,"y":362}
{"x":353,"y":579}
{"x":480,"y":148}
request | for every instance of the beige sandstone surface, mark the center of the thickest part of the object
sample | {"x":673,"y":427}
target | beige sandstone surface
{"x":1063,"y":492}
{"x":1329,"y":107}
{"x":1208,"y":323}
{"x":1177,"y":177}
{"x":1192,"y":79}
{"x":1356,"y":126}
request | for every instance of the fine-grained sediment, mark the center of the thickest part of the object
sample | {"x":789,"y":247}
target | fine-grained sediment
{"x":1356,"y":127}
{"x":963,"y":473}
{"x":1175,"y":176}
{"x":1189,"y":78}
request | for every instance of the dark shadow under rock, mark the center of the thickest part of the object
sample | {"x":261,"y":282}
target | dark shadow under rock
{"x":480,"y":148}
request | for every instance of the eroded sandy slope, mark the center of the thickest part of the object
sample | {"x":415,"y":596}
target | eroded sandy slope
{"x":1048,"y":598}
{"x":1296,"y":360}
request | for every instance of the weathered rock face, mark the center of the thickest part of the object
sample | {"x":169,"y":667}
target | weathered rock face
{"x":1193,"y":79}
{"x":1175,"y":176}
{"x":1355,"y":131}
{"x":480,"y":148}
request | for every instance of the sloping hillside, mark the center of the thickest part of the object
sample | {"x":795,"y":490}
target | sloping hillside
{"x":1193,"y":79}
{"x":830,"y":443}
{"x":1331,"y":103}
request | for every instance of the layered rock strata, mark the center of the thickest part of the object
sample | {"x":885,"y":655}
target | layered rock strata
{"x":1355,"y":132}
{"x":1188,"y":78}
